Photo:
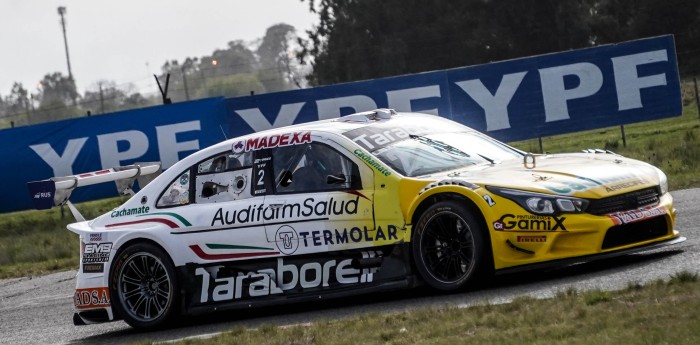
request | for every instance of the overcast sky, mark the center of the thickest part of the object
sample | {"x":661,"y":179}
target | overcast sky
{"x":127,"y":41}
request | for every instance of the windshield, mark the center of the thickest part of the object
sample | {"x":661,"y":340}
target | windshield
{"x":434,"y":153}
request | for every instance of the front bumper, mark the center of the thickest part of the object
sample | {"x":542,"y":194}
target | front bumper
{"x":590,"y":258}
{"x":522,"y":239}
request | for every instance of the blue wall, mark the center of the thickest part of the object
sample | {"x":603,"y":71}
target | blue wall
{"x":511,"y":100}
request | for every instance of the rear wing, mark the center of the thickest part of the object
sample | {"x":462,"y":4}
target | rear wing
{"x":57,"y":190}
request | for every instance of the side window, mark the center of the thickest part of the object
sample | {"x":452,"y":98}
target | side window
{"x":224,"y":162}
{"x":224,"y":177}
{"x":178,"y":193}
{"x":313,"y":167}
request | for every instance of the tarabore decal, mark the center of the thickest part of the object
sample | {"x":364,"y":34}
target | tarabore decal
{"x":278,"y":279}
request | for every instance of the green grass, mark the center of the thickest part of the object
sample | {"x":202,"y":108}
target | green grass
{"x":671,"y":144}
{"x":37,"y":268}
{"x":37,"y":242}
{"x":662,"y":312}
{"x":34,"y":242}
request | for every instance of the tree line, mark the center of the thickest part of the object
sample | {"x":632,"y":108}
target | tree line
{"x":365,"y":39}
{"x":264,"y":65}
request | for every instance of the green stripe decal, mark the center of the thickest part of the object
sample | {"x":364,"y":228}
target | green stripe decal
{"x":231,"y":246}
{"x":179,"y":217}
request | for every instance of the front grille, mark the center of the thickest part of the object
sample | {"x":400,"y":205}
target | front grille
{"x":644,"y":230}
{"x":624,"y":202}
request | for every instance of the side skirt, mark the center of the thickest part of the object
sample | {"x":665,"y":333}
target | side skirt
{"x":294,"y":279}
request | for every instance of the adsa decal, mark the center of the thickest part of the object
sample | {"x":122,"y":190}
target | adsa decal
{"x":530,"y":223}
{"x":277,"y":280}
{"x":309,"y":208}
{"x":91,"y":298}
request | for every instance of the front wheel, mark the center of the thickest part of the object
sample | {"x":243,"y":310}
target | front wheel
{"x":143,"y":286}
{"x":449,"y":246}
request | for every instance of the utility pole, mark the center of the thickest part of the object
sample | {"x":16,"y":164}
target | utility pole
{"x":102,"y":100}
{"x":61,"y":12}
{"x":184,"y":79}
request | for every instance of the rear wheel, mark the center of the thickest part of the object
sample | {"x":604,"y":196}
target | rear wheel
{"x":143,"y":286}
{"x":449,"y":246}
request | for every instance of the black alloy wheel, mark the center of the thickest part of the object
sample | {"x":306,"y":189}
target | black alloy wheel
{"x":143,"y":286}
{"x":448,"y":246}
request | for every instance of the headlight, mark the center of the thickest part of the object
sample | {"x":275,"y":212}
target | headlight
{"x":541,"y":204}
{"x":663,"y":181}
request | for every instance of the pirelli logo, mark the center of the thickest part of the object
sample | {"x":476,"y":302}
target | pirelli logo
{"x":530,"y":239}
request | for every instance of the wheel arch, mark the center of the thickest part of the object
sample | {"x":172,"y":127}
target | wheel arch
{"x":142,"y":240}
{"x":136,"y":240}
{"x":426,"y":199}
{"x":464,"y":196}
{"x":131,"y":238}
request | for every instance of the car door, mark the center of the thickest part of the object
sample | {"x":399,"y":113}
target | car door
{"x":317,"y":198}
{"x":216,"y":200}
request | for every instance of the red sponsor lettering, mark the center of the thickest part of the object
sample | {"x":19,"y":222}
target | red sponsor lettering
{"x":284,"y":139}
{"x":278,"y":140}
{"x":251,"y":144}
{"x":637,"y":215}
{"x":91,"y":298}
{"x":536,"y":239}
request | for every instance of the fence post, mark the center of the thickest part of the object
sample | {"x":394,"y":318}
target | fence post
{"x":697,"y":99}
{"x":624,"y":139}
{"x":540,"y":140}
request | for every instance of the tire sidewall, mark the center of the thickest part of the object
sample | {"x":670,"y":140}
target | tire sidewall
{"x":118,"y":305}
{"x":478,"y":237}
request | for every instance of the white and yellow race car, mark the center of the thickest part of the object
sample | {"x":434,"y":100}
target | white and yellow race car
{"x":371,"y":201}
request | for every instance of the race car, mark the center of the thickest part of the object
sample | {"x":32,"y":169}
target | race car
{"x":369,"y":202}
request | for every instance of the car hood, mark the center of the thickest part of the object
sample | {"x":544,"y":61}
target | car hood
{"x":585,"y":175}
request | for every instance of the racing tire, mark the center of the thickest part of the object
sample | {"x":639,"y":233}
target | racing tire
{"x":449,"y":246}
{"x":143,"y":286}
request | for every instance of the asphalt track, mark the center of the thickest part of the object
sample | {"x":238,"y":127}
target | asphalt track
{"x":39,"y":310}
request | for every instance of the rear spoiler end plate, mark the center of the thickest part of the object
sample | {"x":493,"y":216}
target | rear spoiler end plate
{"x":56,"y":191}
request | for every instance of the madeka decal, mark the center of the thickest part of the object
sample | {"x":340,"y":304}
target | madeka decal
{"x":270,"y":141}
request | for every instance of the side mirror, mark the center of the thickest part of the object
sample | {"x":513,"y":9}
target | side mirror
{"x":210,"y":189}
{"x":333,"y":179}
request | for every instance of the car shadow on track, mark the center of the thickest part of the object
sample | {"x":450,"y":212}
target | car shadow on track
{"x":598,"y":268}
{"x":299,"y":313}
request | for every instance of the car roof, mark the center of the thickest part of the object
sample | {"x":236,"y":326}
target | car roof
{"x":350,"y":122}
{"x":343,"y":124}
{"x":334,"y":127}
